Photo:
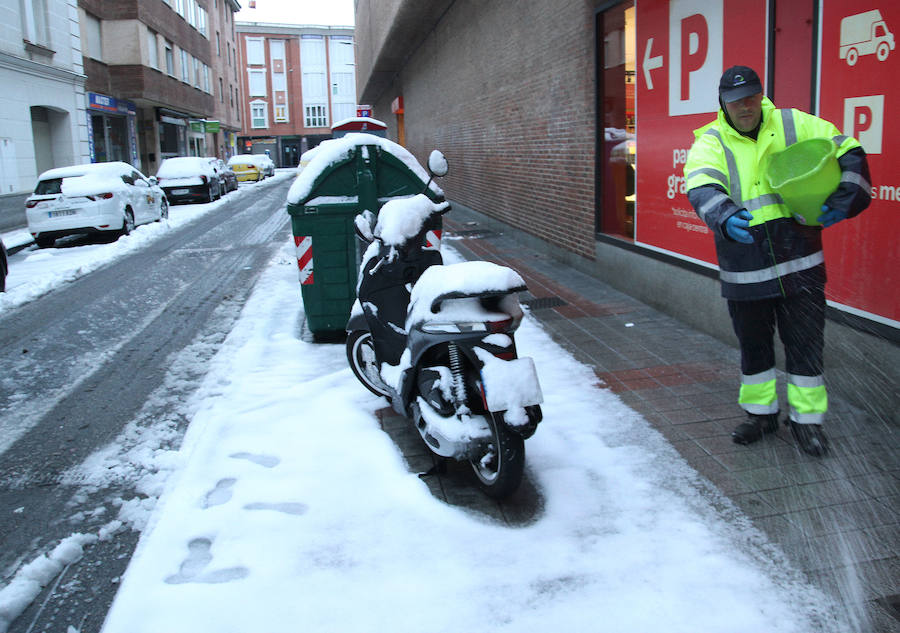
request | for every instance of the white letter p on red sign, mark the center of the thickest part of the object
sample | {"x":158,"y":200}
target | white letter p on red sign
{"x":695,"y":55}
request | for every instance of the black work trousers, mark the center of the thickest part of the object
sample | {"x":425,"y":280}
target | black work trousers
{"x":801,"y":325}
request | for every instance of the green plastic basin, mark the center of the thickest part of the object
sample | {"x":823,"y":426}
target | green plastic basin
{"x":805,"y":174}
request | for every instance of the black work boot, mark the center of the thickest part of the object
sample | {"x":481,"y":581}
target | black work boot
{"x":754,"y":428}
{"x":809,"y":437}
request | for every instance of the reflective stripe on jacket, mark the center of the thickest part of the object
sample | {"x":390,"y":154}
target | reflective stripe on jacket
{"x":725,"y":173}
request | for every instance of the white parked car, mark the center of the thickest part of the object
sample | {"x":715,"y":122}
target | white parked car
{"x":110,"y":198}
{"x":189,"y":179}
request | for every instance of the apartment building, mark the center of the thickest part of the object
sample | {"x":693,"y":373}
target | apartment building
{"x":42,"y":112}
{"x":223,"y":130}
{"x":297,"y":81}
{"x":153,"y":70}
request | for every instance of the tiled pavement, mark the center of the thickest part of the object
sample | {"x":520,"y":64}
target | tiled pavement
{"x":836,"y":518}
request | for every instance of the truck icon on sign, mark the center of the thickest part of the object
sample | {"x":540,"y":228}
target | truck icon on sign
{"x":863,"y":34}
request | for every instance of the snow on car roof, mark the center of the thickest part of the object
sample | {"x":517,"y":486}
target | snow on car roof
{"x":244,"y":159}
{"x":335,"y":150}
{"x":115,"y":168}
{"x":184,"y":166}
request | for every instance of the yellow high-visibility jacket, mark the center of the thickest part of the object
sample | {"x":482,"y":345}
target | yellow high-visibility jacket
{"x":724,"y":173}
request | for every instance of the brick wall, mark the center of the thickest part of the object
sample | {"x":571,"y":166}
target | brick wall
{"x":506,"y":90}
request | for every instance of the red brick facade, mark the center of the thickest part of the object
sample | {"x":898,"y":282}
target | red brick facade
{"x":520,"y":150}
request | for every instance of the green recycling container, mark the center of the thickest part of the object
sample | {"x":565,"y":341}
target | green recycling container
{"x":367,"y":173}
{"x":804,"y":175}
{"x":325,"y":241}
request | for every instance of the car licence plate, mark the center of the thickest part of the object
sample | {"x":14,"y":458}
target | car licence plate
{"x":62,"y":212}
{"x":180,"y":192}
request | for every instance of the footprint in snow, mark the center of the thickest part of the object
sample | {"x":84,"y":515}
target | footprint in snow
{"x":192,"y":568}
{"x":286,"y":507}
{"x":267,"y":461}
{"x":220,"y":494}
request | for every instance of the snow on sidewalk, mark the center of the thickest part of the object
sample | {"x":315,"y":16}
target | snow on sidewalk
{"x":294,"y":511}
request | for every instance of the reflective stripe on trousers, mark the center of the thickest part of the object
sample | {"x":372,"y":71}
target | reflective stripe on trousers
{"x":758,"y":393}
{"x":807,"y":398}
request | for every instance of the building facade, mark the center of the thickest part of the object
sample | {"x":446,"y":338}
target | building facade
{"x":153,"y":72}
{"x":223,"y":132}
{"x":571,"y":121}
{"x":42,"y":115}
{"x":297,"y":81}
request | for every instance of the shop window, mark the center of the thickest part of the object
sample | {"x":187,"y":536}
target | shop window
{"x":258,"y":114}
{"x":616,"y":163}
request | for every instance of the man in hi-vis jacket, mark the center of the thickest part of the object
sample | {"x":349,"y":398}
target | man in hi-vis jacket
{"x":772,"y":268}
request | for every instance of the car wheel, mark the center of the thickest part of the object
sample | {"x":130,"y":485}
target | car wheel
{"x":164,"y":210}
{"x":44,"y":242}
{"x":128,"y":222}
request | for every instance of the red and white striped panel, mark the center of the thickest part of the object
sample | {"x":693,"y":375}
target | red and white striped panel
{"x":432,"y":241}
{"x":304,"y":258}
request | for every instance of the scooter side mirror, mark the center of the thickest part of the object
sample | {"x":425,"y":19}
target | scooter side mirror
{"x":363,"y":223}
{"x":437,"y":164}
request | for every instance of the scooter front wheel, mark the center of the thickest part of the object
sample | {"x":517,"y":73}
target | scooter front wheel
{"x":361,"y":356}
{"x":500,"y":465}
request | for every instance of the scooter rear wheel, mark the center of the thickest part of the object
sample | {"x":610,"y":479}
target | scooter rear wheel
{"x":361,"y":356}
{"x":500,"y":466}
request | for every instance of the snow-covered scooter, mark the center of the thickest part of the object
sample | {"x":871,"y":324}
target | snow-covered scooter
{"x":437,"y":341}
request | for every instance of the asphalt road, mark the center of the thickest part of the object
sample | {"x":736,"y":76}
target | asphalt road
{"x":83,"y":361}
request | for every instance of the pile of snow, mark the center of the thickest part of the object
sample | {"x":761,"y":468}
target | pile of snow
{"x":33,"y":577}
{"x":329,"y":153}
{"x":359,"y":119}
{"x":293,"y":509}
{"x":463,"y":279}
{"x":401,"y":219}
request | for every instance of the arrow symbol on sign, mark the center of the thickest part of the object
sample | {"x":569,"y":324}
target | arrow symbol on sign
{"x":650,"y":63}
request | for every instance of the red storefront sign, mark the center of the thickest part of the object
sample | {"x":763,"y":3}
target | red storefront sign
{"x":682,"y":48}
{"x":859,"y":52}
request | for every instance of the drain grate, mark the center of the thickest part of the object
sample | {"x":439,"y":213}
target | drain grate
{"x":544,"y":303}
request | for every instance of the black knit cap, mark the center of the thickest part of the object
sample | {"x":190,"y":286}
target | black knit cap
{"x":738,"y":82}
